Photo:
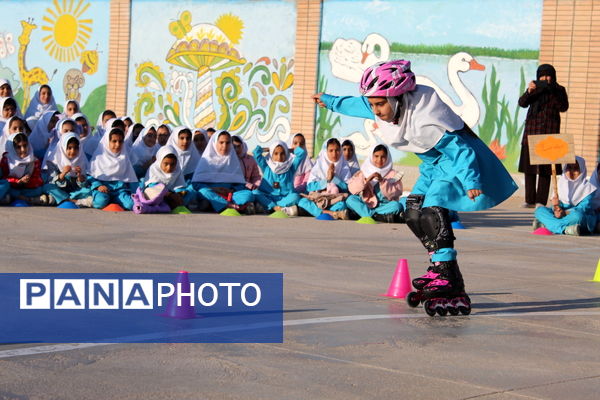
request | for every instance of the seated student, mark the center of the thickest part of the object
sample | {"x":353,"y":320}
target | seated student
{"x":303,"y":171}
{"x":375,"y":190}
{"x":276,"y":191}
{"x":67,"y":173}
{"x":5,"y":88}
{"x":86,"y":141}
{"x":72,"y":107}
{"x":327,"y":183}
{"x":210,"y":132}
{"x":63,"y":127}
{"x":42,"y":102}
{"x":143,"y":151}
{"x":166,"y":170}
{"x":219,"y":179}
{"x":135,"y":130}
{"x":42,"y":134}
{"x":13,"y":125}
{"x":128,"y":122}
{"x":103,"y":118}
{"x":22,"y":171}
{"x":162,"y":134}
{"x":8,"y":106}
{"x":595,"y":180}
{"x":248,"y":163}
{"x":572,"y":212}
{"x":181,"y":141}
{"x":348,"y":150}
{"x":200,"y":140}
{"x":112,"y":176}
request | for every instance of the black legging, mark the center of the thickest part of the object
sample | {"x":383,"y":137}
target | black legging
{"x":533,"y":196}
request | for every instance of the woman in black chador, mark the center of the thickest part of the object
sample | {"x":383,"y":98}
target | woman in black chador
{"x":546,"y":99}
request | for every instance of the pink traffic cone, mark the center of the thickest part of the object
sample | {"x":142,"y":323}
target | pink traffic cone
{"x":542,"y":231}
{"x":401,"y":284}
{"x":185,"y":310}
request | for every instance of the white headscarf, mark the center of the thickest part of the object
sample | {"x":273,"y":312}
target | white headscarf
{"x":61,"y":160}
{"x":53,"y":150}
{"x":216,"y":168}
{"x":307,"y":164}
{"x":140,"y":152}
{"x":574,"y":191}
{"x":368,"y":168}
{"x":188,"y":158}
{"x":18,"y":166}
{"x":353,"y":162}
{"x":40,"y":135}
{"x":36,"y":109}
{"x":4,"y":100}
{"x":319,"y":170}
{"x":423,"y":120}
{"x":6,"y":82}
{"x":279,"y":167}
{"x":109,"y":166}
{"x":595,"y":180}
{"x":65,"y":109}
{"x":155,"y":174}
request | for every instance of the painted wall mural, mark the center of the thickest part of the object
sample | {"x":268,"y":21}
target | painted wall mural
{"x":478,"y":56}
{"x":60,"y":43}
{"x":204,"y":66}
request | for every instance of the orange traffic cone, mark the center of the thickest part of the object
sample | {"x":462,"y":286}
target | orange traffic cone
{"x":185,"y":310}
{"x":401,"y":284}
{"x":113,"y":207}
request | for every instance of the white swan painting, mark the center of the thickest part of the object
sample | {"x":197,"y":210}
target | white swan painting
{"x":469,"y":109}
{"x":349,"y":58}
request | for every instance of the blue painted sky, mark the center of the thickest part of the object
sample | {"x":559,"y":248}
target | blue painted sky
{"x":507,"y":24}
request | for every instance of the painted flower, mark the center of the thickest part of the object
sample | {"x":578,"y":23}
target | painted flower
{"x":499,"y":151}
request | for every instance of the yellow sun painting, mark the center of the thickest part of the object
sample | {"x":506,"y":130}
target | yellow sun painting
{"x":68,"y":32}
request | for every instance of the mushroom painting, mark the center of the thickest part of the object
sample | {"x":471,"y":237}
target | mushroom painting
{"x":205,"y":48}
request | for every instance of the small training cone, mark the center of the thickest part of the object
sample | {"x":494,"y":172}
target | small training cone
{"x":401,"y":284}
{"x":457,"y":225}
{"x":67,"y":205}
{"x":230,"y":212}
{"x":113,"y":207}
{"x":185,"y":310}
{"x":366,"y":221}
{"x":19,"y":203}
{"x":325,"y":217}
{"x":541,"y":231}
{"x":596,"y":277}
{"x":278,"y":214}
{"x":181,"y":210}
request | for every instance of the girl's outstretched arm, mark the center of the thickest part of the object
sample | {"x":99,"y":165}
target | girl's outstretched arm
{"x":347,"y":105}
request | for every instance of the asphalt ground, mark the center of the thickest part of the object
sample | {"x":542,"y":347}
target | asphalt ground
{"x":534,"y":332}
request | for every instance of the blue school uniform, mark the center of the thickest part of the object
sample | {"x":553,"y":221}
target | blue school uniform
{"x":315,"y":186}
{"x":240,"y":195}
{"x":581,"y":214}
{"x":69,"y":188}
{"x":284,"y":195}
{"x":384,"y":205}
{"x":459,"y":161}
{"x":118,"y":192}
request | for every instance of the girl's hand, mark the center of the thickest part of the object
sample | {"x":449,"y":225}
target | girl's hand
{"x":102,"y":189}
{"x":25,"y":178}
{"x":559,"y":212}
{"x":555,"y":202}
{"x":78,"y":170}
{"x":473,"y":193}
{"x":66,"y":169}
{"x":331,"y":172}
{"x":531,"y":87}
{"x":317,"y":99}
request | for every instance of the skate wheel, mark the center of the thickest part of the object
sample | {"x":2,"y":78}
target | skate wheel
{"x":428,"y":309}
{"x":453,"y":311}
{"x":412,"y":299}
{"x":441,"y":311}
{"x":464,"y":310}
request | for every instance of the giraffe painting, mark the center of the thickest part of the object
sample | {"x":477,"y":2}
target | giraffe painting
{"x":33,"y":76}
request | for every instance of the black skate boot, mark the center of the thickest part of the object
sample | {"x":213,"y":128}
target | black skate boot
{"x":446,"y":293}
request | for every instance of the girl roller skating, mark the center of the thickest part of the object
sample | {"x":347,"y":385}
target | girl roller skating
{"x":458,"y":171}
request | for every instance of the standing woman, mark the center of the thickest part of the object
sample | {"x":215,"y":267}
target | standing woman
{"x":546,"y":99}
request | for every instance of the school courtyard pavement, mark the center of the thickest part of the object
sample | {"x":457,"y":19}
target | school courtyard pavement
{"x":534,"y":332}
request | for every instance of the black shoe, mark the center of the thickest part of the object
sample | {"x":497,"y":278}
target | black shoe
{"x":385,"y":218}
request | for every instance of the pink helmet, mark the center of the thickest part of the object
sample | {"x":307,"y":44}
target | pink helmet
{"x":387,"y":79}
